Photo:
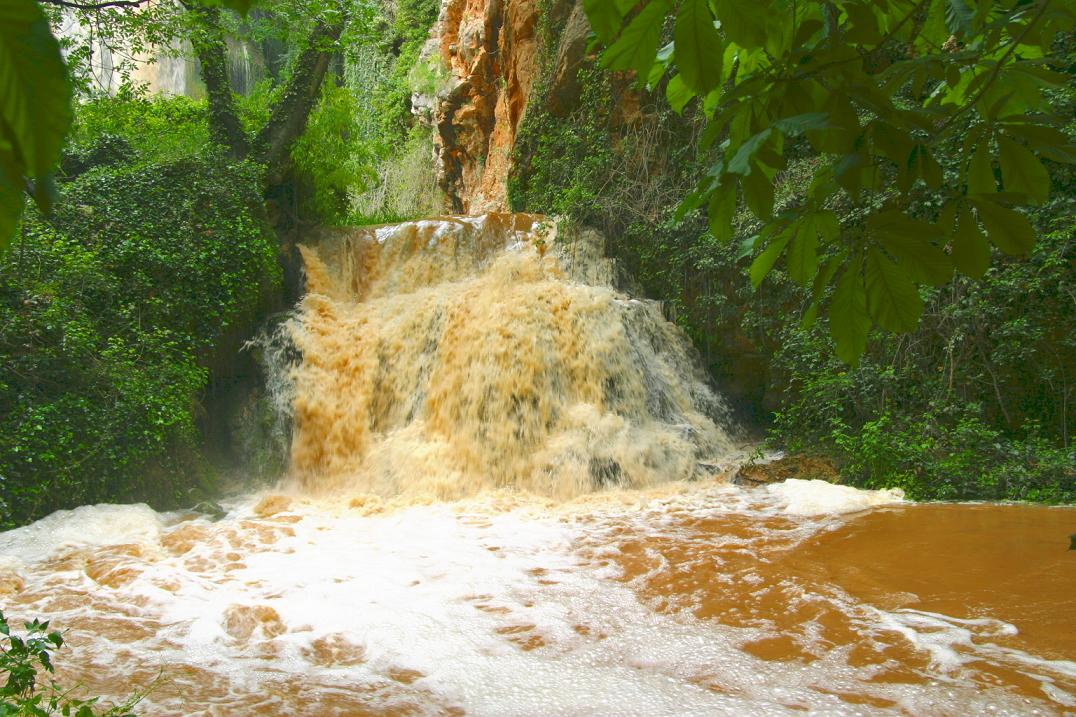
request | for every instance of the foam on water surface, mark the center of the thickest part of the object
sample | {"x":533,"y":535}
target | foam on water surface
{"x":818,"y":497}
{"x":501,"y":606}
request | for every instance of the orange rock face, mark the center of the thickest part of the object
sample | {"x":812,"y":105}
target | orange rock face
{"x":490,"y":49}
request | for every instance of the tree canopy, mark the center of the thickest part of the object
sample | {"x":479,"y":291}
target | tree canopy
{"x":40,"y":74}
{"x":884,"y":93}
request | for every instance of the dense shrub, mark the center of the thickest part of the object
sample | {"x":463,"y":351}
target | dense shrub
{"x":974,"y":404}
{"x":381,"y":76}
{"x":160,"y":129}
{"x":113,"y":312}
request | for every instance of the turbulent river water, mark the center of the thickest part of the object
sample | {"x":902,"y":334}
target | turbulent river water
{"x":509,"y":496}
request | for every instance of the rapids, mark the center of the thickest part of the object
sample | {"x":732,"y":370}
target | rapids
{"x":510,"y":496}
{"x":689,"y":599}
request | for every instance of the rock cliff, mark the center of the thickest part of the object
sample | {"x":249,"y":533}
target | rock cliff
{"x":488,"y":52}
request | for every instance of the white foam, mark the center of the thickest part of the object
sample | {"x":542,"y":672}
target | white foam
{"x":453,"y":592}
{"x":88,"y":525}
{"x":818,"y":497}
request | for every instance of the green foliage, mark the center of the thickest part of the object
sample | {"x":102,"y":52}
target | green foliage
{"x":159,"y":129}
{"x":406,"y":187}
{"x":35,"y":109}
{"x":406,"y":34}
{"x":381,"y":72}
{"x":26,"y":692}
{"x":113,"y":312}
{"x":878,"y":91}
{"x":974,"y":403}
{"x":561,"y":164}
{"x":429,"y":76}
{"x":333,"y":156}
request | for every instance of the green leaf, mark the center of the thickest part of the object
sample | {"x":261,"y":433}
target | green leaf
{"x":981,"y":171}
{"x":810,"y":231}
{"x":661,"y":63}
{"x":762,"y":264}
{"x":971,"y":252}
{"x":1009,"y":230}
{"x":605,"y":17}
{"x":959,"y":16}
{"x":721,"y":209}
{"x":1036,"y":135}
{"x":240,"y":6}
{"x":35,"y":96}
{"x":11,"y":203}
{"x":849,"y":322}
{"x":744,"y":21}
{"x":45,"y":192}
{"x":699,"y":48}
{"x":825,"y":275}
{"x":927,"y":167}
{"x":758,"y":193}
{"x":678,"y":94}
{"x":1022,"y":172}
{"x":35,"y":109}
{"x":798,"y":124}
{"x":741,"y":162}
{"x":638,"y":43}
{"x":892,"y":298}
{"x":864,"y":25}
{"x":891,"y":142}
{"x":748,"y":246}
{"x":803,"y":253}
{"x":908,"y":240}
{"x":697,"y":198}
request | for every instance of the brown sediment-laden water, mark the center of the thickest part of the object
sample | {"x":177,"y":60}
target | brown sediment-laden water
{"x":506,"y":498}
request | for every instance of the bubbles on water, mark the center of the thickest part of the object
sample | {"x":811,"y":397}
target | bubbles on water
{"x":670,"y":602}
{"x":817,"y":497}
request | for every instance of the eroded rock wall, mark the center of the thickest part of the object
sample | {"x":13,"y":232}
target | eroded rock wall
{"x":489,"y":50}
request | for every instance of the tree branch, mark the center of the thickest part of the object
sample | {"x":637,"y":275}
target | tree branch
{"x":287,"y":119}
{"x":224,"y":125}
{"x":96,"y":6}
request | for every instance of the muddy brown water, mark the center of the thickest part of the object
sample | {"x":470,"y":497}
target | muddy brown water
{"x":688,"y":600}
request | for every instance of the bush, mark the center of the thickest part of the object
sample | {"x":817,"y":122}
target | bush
{"x":331,"y":155}
{"x":159,"y":128}
{"x":114,"y":311}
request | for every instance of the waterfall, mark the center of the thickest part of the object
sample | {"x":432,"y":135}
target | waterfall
{"x":441,"y":358}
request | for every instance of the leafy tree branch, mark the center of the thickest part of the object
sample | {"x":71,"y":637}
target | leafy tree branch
{"x":875,"y":90}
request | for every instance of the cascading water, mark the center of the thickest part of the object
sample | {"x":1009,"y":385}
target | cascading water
{"x":503,"y":503}
{"x":443,"y":358}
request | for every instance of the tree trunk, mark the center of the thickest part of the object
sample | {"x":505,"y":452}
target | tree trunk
{"x":288,"y":116}
{"x":212,"y":51}
{"x":287,"y":121}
